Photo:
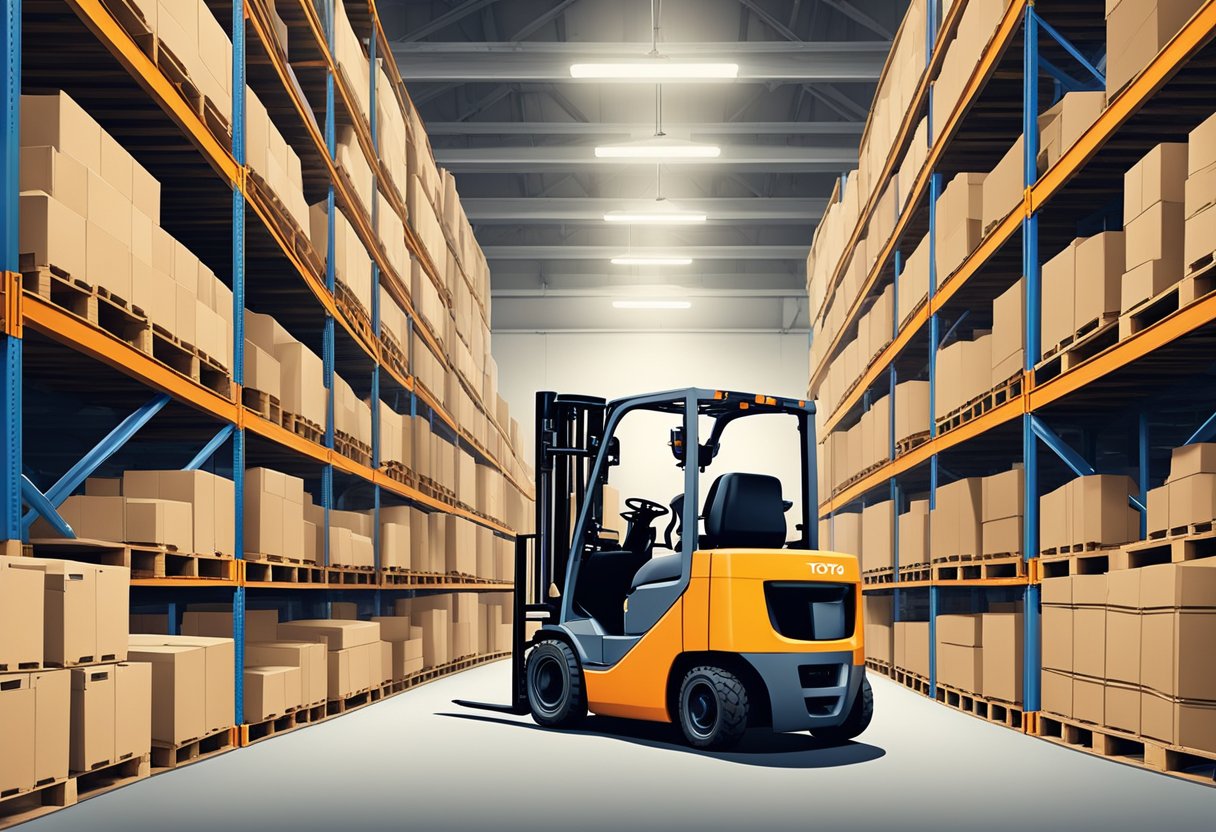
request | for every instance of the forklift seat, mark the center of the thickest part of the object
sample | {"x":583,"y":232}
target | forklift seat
{"x":656,"y":570}
{"x":747,"y":511}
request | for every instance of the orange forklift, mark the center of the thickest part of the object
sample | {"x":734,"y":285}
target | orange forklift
{"x":724,"y":624}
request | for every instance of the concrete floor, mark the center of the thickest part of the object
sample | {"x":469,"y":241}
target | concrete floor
{"x":420,"y":762}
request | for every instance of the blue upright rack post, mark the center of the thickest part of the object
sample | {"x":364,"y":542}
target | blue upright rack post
{"x":238,"y":345}
{"x":10,"y":340}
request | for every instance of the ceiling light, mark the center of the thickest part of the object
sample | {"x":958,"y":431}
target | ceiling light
{"x":629,"y":260}
{"x":651,"y":304}
{"x":656,"y":70}
{"x":659,"y":147}
{"x":656,"y":217}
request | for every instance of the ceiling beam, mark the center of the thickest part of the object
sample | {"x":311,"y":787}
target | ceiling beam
{"x":447,"y":19}
{"x":857,"y":15}
{"x":576,"y":252}
{"x":489,"y":211}
{"x":759,"y":61}
{"x":543,"y":20}
{"x":770,"y":20}
{"x":624,"y":128}
{"x":774,"y":158}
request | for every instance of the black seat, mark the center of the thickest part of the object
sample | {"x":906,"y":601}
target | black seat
{"x":746,"y":510}
{"x":657,"y":569}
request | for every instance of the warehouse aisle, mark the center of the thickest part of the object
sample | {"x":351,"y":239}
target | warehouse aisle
{"x":420,"y":762}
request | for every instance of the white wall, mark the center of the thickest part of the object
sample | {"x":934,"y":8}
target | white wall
{"x":616,"y":365}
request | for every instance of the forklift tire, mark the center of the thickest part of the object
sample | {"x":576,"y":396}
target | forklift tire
{"x":855,"y":723}
{"x":556,"y":695}
{"x":713,"y":708}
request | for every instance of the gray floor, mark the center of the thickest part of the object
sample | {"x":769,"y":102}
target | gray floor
{"x":419,"y":762}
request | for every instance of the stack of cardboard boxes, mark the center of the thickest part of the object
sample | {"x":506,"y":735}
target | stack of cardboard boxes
{"x":960,"y":215}
{"x":1200,"y":195}
{"x":356,"y":656}
{"x":270,"y":156}
{"x":979,"y":20}
{"x":1003,"y":497}
{"x":191,"y":512}
{"x":914,"y":535}
{"x":193,"y":690}
{"x":459,"y":625}
{"x":877,"y":530}
{"x":89,"y":209}
{"x":955,"y":525}
{"x":964,"y":373}
{"x":1136,"y":30}
{"x":1154,"y":194}
{"x":71,"y":701}
{"x":1119,"y":650}
{"x":1188,"y":497}
{"x":879,"y":632}
{"x":1088,"y":511}
{"x":960,"y":654}
{"x":274,"y":523}
{"x":912,"y":647}
{"x":352,"y":263}
{"x":300,"y":371}
{"x":190,"y":32}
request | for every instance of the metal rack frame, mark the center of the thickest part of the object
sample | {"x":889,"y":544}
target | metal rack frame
{"x":1025,"y":407}
{"x":21,"y":309}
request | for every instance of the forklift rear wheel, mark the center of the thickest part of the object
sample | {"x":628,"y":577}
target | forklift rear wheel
{"x":555,"y":686}
{"x":713,"y":708}
{"x":856,"y":722}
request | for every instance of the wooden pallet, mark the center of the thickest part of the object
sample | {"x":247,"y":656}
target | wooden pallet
{"x":178,"y":75}
{"x":353,"y":310}
{"x":284,"y":573}
{"x":1129,"y":749}
{"x":393,"y":355}
{"x":911,"y":681}
{"x":977,"y":407}
{"x":880,"y":667}
{"x":346,"y":704}
{"x":352,"y":448}
{"x":1003,"y":566}
{"x":1178,"y":549}
{"x":285,"y":224}
{"x":918,"y":572}
{"x":1064,"y":564}
{"x":278,"y":725}
{"x":303,"y":427}
{"x":878,"y":576}
{"x":171,"y":756}
{"x":351,"y":575}
{"x":1099,"y":335}
{"x":981,"y":707}
{"x":112,"y":776}
{"x":1149,"y":312}
{"x":906,"y":444}
{"x":397,"y":471}
{"x":100,"y":308}
{"x":21,"y":806}
{"x":263,"y":404}
{"x":1200,"y":283}
{"x":144,"y":561}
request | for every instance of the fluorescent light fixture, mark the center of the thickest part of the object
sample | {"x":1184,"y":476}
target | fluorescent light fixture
{"x":651,"y":304}
{"x":659,"y":147}
{"x":653,"y":260}
{"x":656,"y":217}
{"x":656,"y":70}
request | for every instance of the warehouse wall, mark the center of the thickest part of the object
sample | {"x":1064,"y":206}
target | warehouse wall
{"x":615,"y":365}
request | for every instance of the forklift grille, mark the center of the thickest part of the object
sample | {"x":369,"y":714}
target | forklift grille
{"x":807,"y":611}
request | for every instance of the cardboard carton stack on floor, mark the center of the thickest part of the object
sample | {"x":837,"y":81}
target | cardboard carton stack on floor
{"x":95,"y":709}
{"x":1088,"y":511}
{"x":405,"y":645}
{"x":1199,"y":196}
{"x":89,"y":209}
{"x":912,"y":647}
{"x":191,"y":512}
{"x":300,"y":370}
{"x":1120,"y":650}
{"x":960,"y":658}
{"x":1154,"y":194}
{"x":1188,"y":497}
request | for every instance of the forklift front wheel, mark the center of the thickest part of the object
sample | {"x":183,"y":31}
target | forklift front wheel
{"x":555,"y":686}
{"x":713,"y":708}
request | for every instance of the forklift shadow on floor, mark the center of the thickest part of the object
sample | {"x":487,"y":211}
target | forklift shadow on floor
{"x":759,"y":747}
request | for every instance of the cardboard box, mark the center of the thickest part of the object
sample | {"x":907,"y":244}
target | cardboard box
{"x":1058,"y":638}
{"x":1200,"y":192}
{"x":435,"y":644}
{"x":1121,"y":707}
{"x":1008,"y":333}
{"x":49,"y":233}
{"x":160,"y":523}
{"x":132,"y":709}
{"x":878,"y":528}
{"x":1157,"y":717}
{"x":1099,"y":278}
{"x":260,"y":625}
{"x":1059,"y":296}
{"x":1089,"y":700}
{"x":62,"y":177}
{"x":1197,"y":458}
{"x":22,"y":611}
{"x":1056,"y":697}
{"x":911,"y":409}
{"x":1201,"y":147}
{"x":1148,"y":280}
{"x":960,"y":667}
{"x":912,"y":646}
{"x":914,"y":534}
{"x":955,"y":525}
{"x":271,"y":691}
{"x":1061,"y":125}
{"x":1160,"y":176}
{"x":308,"y":657}
{"x":60,"y":122}
{"x":1157,"y":234}
{"x":1195,"y":725}
{"x":179,"y":674}
{"x":1001,"y":537}
{"x":218,"y":684}
{"x":1101,"y":512}
{"x":1123,"y":627}
{"x":1192,"y":500}
{"x":1003,"y":494}
{"x":1136,"y":32}
{"x":34,"y":721}
{"x":1089,"y":641}
{"x":85,"y":611}
{"x":350,"y":669}
{"x":1157,"y":510}
{"x":1004,"y":186}
{"x":338,"y":635}
{"x":93,"y":712}
{"x":879,"y":633}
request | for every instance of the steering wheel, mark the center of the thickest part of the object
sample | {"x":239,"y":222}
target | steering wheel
{"x":641,"y":504}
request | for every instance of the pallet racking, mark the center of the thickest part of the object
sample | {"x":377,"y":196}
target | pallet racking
{"x":1124,"y":402}
{"x":65,"y":380}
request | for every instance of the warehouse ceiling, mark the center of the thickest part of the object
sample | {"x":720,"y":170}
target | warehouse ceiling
{"x":492,"y":79}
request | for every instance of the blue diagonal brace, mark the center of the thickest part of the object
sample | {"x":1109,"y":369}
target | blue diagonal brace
{"x":40,"y":504}
{"x":1071,"y":458}
{"x":102,"y":451}
{"x":1067,"y":82}
{"x":204,"y":454}
{"x":1098,"y":77}
{"x":1205,"y":433}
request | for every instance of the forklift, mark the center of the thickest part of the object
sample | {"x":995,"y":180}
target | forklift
{"x":721,"y":625}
